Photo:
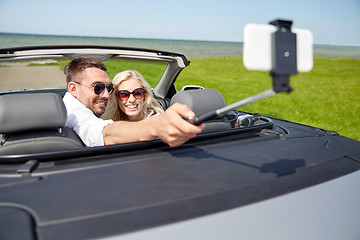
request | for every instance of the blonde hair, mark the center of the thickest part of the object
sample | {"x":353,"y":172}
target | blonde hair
{"x":150,"y":106}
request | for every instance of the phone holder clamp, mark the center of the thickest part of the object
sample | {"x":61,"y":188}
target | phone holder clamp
{"x":283,"y":59}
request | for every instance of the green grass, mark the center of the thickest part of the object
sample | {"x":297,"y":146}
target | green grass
{"x":328,"y":97}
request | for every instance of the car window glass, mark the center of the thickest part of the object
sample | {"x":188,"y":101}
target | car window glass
{"x":152,"y":71}
{"x":34,"y":74}
{"x":49,"y":73}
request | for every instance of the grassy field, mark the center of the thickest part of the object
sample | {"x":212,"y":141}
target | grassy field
{"x":328,"y":97}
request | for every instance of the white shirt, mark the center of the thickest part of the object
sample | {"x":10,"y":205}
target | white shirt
{"x":83,"y":121}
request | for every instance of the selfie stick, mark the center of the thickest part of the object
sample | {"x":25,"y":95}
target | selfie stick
{"x":219,"y":112}
{"x":284,"y":64}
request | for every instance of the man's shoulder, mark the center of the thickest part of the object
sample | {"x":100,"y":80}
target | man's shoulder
{"x":72,"y":104}
{"x":68,"y":99}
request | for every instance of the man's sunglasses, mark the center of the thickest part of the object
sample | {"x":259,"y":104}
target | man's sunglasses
{"x":124,"y":94}
{"x":100,"y":87}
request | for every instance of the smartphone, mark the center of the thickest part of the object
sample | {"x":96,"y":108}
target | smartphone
{"x":257,"y":47}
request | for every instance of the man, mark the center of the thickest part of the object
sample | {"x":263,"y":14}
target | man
{"x":88,"y":89}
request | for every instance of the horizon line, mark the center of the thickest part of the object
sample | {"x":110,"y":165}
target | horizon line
{"x":160,"y":39}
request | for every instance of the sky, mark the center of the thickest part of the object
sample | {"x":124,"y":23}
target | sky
{"x":332,"y":22}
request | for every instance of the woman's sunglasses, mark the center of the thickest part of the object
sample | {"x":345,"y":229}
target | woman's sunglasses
{"x":124,"y":94}
{"x":100,"y":87}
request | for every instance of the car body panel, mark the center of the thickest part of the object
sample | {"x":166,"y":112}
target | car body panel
{"x":317,"y":212}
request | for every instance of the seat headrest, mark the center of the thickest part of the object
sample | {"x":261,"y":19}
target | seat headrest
{"x":200,"y":101}
{"x":22,"y":112}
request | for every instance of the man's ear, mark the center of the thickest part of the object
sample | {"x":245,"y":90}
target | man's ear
{"x":72,"y":88}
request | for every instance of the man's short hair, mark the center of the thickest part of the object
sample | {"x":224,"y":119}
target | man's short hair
{"x":79,"y":64}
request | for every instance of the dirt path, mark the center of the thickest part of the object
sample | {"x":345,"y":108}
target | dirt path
{"x":23,"y":77}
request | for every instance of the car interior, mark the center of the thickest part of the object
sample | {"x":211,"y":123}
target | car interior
{"x":32,"y":121}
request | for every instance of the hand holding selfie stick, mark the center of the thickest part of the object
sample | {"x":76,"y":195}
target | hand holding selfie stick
{"x":284,"y":64}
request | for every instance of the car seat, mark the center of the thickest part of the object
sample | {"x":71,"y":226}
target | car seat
{"x":202,"y":101}
{"x":34,"y":123}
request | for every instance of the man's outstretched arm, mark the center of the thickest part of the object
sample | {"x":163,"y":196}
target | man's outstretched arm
{"x":168,"y":126}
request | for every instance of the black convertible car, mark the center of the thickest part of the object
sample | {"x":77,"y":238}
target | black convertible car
{"x":245,"y":177}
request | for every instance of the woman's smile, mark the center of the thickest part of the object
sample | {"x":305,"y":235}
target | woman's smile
{"x":131,"y":106}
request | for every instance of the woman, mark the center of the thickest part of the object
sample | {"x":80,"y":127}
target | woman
{"x":132,"y":100}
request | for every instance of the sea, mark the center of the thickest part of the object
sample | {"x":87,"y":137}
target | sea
{"x":189,"y":48}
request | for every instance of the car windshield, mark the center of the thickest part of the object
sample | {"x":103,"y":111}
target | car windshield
{"x":49,"y":73}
